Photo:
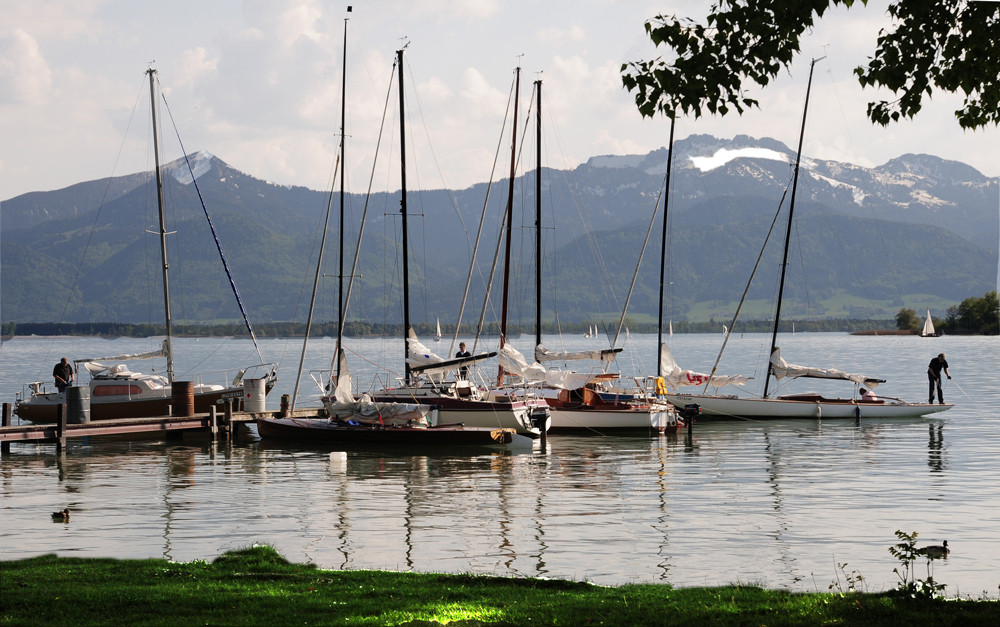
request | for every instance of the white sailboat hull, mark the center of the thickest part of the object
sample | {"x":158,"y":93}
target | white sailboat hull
{"x":507,"y":414}
{"x":659,"y":418}
{"x":732,"y":407}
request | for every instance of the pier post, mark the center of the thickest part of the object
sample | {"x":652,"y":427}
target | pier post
{"x":227,"y":420}
{"x":213,"y":423}
{"x":5,"y":421}
{"x":61,"y":428}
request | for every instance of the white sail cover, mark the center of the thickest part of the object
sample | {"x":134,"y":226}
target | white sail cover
{"x":675,"y":377}
{"x":513,"y":361}
{"x":342,"y":405}
{"x":781,"y":369}
{"x":544,"y":354}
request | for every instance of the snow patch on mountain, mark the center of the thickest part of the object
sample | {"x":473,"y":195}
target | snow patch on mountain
{"x":201,"y":162}
{"x":724,"y":155}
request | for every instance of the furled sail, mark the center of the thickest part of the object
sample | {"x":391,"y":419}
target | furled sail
{"x":512,"y":361}
{"x":342,"y":405}
{"x":423,"y":361}
{"x":675,"y":377}
{"x":94,"y":365}
{"x":781,"y":369}
{"x":544,"y":354}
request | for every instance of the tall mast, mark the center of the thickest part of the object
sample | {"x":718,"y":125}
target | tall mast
{"x":163,"y":228}
{"x":788,"y":229}
{"x":322,"y":248}
{"x":538,"y":213}
{"x":340,"y":267}
{"x":402,"y":212}
{"x":663,"y":247}
{"x":510,"y":226}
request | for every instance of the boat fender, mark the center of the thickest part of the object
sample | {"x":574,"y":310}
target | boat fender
{"x":661,"y":386}
{"x":857,"y":411}
{"x":819,"y":410}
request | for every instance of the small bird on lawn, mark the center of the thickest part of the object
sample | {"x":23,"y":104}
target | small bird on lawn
{"x":936,"y":551}
{"x":62,"y":516}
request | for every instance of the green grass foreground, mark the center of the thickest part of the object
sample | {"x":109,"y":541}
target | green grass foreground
{"x":256,"y":586}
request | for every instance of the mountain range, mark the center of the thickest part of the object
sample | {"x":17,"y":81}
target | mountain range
{"x":918,"y":231}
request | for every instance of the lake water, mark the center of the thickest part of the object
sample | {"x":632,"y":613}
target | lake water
{"x":779,"y":504}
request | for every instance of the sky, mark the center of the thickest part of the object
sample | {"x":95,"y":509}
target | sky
{"x":258,"y":84}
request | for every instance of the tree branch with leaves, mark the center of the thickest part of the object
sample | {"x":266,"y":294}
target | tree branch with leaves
{"x":949,"y":45}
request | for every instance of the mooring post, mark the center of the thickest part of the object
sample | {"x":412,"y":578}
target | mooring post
{"x":5,"y":446}
{"x":61,"y":428}
{"x":213,"y":423}
{"x":227,"y":419}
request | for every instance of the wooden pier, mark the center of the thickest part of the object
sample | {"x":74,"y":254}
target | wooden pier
{"x":213,"y":425}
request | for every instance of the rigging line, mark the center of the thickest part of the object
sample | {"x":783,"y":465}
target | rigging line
{"x":635,"y":275}
{"x":100,"y":207}
{"x":312,"y":300}
{"x":437,"y":164}
{"x":364,"y":211}
{"x":589,"y":234}
{"x":746,"y":289}
{"x":215,"y":236}
{"x":802,"y":269}
{"x":847,"y":129}
{"x":482,"y":221}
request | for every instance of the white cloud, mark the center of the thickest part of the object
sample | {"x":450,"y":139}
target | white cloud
{"x":25,"y":76}
{"x":194,"y":65}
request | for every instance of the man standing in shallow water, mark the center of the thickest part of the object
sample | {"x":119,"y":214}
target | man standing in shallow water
{"x":934,"y":369}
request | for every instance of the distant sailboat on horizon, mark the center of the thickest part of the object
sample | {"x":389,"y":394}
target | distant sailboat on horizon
{"x":928,"y":330}
{"x":437,"y":334}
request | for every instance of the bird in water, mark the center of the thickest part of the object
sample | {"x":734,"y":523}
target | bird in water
{"x":937,"y":551}
{"x":61,"y":516}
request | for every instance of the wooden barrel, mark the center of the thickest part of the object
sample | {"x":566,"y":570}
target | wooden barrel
{"x":182,"y":398}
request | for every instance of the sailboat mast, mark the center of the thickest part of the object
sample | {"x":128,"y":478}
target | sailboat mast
{"x":510,"y":213}
{"x":788,"y":228}
{"x":663,"y":246}
{"x":402,"y":211}
{"x":340,"y":267}
{"x":163,"y":229}
{"x":538,"y":213}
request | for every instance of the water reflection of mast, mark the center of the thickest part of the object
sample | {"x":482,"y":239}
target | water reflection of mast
{"x":935,"y":447}
{"x":773,"y":479}
{"x":662,"y":484}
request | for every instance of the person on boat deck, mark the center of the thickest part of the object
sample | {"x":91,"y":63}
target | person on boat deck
{"x":934,"y":369}
{"x":463,"y":372}
{"x":63,"y":374}
{"x":868,"y":396}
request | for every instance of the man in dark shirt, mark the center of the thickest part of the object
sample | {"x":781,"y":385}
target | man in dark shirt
{"x":934,"y":377}
{"x":463,"y":371}
{"x":63,"y":374}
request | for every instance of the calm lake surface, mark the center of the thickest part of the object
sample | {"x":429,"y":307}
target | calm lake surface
{"x":779,"y":504}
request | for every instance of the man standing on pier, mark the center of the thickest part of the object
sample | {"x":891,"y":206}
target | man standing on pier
{"x":63,"y":373}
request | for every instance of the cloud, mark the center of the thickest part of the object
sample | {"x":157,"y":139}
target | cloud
{"x":25,"y":77}
{"x":194,"y":65}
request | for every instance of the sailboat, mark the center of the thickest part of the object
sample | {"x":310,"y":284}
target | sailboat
{"x":928,"y":328}
{"x":117,"y":392}
{"x":808,"y":405}
{"x":347,"y":420}
{"x":425,"y":381}
{"x":575,"y":399}
{"x":437,"y":332}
